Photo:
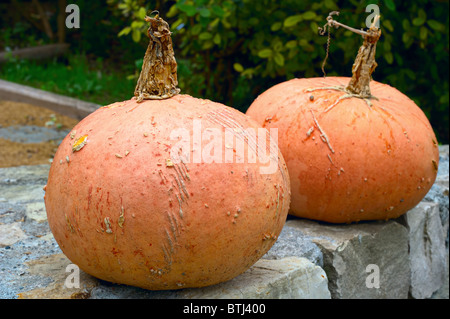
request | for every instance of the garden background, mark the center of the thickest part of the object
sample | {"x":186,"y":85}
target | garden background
{"x":229,"y":51}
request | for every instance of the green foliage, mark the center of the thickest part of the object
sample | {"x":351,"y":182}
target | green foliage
{"x":76,"y":78}
{"x":232,"y":50}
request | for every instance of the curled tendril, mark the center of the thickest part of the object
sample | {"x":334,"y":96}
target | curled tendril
{"x":330,"y":23}
{"x":157,"y":13}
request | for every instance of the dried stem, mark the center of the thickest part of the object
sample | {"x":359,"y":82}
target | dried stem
{"x":158,"y":78}
{"x":365,"y":63}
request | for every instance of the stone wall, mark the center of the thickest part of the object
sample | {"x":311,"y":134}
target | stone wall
{"x":396,"y":259}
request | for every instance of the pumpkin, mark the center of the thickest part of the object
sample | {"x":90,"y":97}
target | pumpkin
{"x":129,"y":202}
{"x":356,"y":149}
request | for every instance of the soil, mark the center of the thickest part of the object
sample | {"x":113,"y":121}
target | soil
{"x":13,"y":153}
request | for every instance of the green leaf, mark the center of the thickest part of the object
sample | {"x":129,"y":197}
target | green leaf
{"x":405,"y":37}
{"x":390,"y":4}
{"x":435,"y":25}
{"x":226,"y":24}
{"x":196,"y":29}
{"x":276,"y":26}
{"x":214,"y":23}
{"x":238,"y":67}
{"x":423,"y":33}
{"x":279,"y":59}
{"x":314,"y":26}
{"x":175,"y":25}
{"x":207,"y":45}
{"x":124,"y":31}
{"x":218,"y":11}
{"x":303,"y":42}
{"x":205,"y":13}
{"x":405,"y":24}
{"x":137,"y":24}
{"x":172,"y":11}
{"x":389,"y":57}
{"x":265,"y":53}
{"x":276,"y":44}
{"x":292,"y":20}
{"x":388,"y":25}
{"x":309,"y":15}
{"x":418,"y":21}
{"x":141,"y":13}
{"x":205,"y":36}
{"x":330,"y":4}
{"x":136,"y":35}
{"x":187,"y":8}
{"x":291,"y":44}
{"x":217,"y":39}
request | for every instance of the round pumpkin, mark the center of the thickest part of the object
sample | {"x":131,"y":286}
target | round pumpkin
{"x":128,"y":205}
{"x":350,"y":156}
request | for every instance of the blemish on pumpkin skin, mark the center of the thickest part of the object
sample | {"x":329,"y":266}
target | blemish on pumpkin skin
{"x":169,"y":163}
{"x":435,"y":165}
{"x":79,"y":143}
{"x":121,"y":220}
{"x":108,"y":225}
{"x":308,"y":134}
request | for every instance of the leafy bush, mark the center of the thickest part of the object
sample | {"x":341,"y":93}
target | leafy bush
{"x":232,"y":50}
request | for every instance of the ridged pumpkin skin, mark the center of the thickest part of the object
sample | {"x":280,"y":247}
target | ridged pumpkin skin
{"x":123,"y":212}
{"x":351,"y":162}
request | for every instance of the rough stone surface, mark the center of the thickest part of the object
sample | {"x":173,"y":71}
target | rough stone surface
{"x":60,"y":283}
{"x":32,"y":134}
{"x":10,"y":234}
{"x":292,"y":242}
{"x":349,"y":250}
{"x":439,"y":192}
{"x":287,"y":278}
{"x":428,"y":254}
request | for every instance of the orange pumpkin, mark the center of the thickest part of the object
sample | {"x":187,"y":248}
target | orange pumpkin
{"x":125,"y":210}
{"x":362,"y":151}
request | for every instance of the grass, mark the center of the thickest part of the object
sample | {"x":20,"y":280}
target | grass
{"x":73,"y":76}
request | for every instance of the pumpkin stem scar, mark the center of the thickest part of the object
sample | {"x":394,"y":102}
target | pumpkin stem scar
{"x":365,"y":63}
{"x":158,"y":78}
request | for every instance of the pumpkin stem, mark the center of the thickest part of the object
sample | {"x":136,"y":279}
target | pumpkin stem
{"x":158,"y":77}
{"x":365,"y":63}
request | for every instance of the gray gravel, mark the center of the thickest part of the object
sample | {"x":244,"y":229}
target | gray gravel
{"x":31,"y":134}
